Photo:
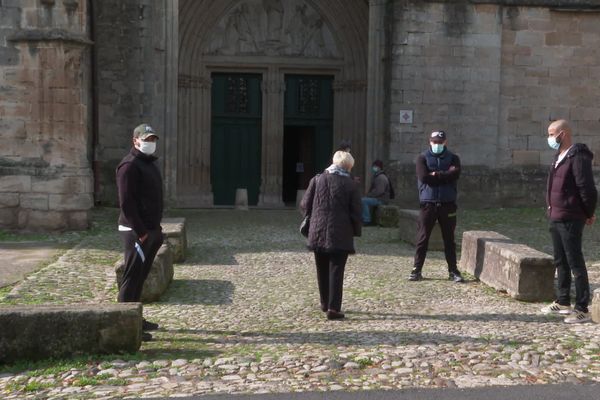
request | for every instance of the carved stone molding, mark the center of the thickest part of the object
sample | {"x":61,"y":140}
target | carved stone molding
{"x":52,"y":35}
{"x":272,"y":86}
{"x":273,"y":28}
{"x":193,"y":82}
{"x":349,"y":85}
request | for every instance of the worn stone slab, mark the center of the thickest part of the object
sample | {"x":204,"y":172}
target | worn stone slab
{"x":386,"y":216}
{"x":595,"y":308}
{"x":407,"y":222}
{"x":159,"y":278}
{"x":175,"y":233}
{"x":38,"y":332}
{"x":524,"y":273}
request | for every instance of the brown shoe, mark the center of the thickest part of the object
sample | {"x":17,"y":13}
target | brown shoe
{"x":332,"y":314}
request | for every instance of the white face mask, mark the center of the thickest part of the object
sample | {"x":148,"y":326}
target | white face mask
{"x":147,"y":148}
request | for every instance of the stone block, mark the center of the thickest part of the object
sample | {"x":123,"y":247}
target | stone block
{"x":76,"y":201}
{"x":67,"y":184}
{"x":407,"y":221}
{"x":176,"y":237}
{"x":9,"y":200}
{"x":524,"y":273}
{"x":34,"y":201}
{"x":38,"y":332}
{"x":15,"y":183}
{"x":159,"y":278}
{"x":9,"y":217}
{"x":526,"y":157}
{"x":386,"y":216}
{"x":595,"y":307}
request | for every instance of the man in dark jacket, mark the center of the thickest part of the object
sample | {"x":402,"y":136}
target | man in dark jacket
{"x":571,"y":198}
{"x":379,"y":192}
{"x":141,"y":202}
{"x":438,"y":170}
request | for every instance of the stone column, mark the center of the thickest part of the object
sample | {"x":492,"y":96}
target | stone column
{"x":273,"y":87}
{"x":376,"y":89}
{"x":171,"y":97}
{"x":194,"y":141}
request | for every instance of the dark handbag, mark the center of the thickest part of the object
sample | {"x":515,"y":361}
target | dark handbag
{"x":305,"y":226}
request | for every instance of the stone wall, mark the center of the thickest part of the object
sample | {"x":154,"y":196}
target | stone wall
{"x":492,"y":74}
{"x":45,"y":176}
{"x":129,"y":37}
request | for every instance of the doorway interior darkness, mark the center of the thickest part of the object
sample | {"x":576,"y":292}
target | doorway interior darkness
{"x":308,"y":131}
{"x":298,"y":160}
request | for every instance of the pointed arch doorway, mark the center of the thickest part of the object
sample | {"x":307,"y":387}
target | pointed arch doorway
{"x":274,"y":39}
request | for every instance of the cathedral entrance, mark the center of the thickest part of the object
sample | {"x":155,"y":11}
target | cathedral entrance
{"x":308,"y":131}
{"x":236,"y":136}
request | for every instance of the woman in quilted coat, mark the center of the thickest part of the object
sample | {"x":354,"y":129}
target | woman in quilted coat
{"x":333,"y":202}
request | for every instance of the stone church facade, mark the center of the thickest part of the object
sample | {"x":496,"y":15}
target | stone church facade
{"x":257,"y":94}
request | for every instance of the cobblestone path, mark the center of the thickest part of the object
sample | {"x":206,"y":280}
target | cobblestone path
{"x":242,"y":315}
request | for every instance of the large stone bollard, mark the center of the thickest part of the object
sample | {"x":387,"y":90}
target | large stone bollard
{"x":241,"y":199}
{"x":38,"y":332}
{"x":408,"y":220}
{"x":524,"y":273}
{"x":176,"y":237}
{"x":595,"y":309}
{"x":159,"y":278}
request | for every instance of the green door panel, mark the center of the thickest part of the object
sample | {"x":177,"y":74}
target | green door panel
{"x":236,"y":137}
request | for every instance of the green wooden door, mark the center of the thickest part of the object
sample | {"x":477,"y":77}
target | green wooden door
{"x":236,"y":136}
{"x":309,"y":103}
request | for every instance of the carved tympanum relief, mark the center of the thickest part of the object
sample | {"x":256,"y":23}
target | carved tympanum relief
{"x":272,"y":28}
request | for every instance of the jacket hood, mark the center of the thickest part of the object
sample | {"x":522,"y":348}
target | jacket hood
{"x":579,"y":148}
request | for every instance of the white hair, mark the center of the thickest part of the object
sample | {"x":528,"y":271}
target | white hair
{"x":343,"y":159}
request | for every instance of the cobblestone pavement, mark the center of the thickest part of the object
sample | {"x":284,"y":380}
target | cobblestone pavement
{"x":242,"y":316}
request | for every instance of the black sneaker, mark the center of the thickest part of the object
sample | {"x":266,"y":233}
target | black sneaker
{"x":415,"y":275}
{"x":456,"y":277}
{"x":146,"y":337}
{"x":149,"y":326}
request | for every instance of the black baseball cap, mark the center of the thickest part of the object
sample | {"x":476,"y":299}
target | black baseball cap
{"x":438,"y":135}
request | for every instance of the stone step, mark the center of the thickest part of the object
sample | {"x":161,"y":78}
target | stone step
{"x":386,"y":215}
{"x":38,"y":332}
{"x":524,"y":273}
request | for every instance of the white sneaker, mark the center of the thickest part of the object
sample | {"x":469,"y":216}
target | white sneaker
{"x":578,"y":317}
{"x":556,"y":308}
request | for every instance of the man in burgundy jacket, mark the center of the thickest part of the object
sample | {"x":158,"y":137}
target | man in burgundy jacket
{"x":571,"y":198}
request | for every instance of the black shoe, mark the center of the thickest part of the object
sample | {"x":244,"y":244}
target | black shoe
{"x":149,"y":326}
{"x":415,"y":275}
{"x":332,"y":314}
{"x":146,"y":337}
{"x":455,"y":276}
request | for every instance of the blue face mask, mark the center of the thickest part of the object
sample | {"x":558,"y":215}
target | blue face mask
{"x":553,"y":143}
{"x":375,"y":169}
{"x":437,"y":148}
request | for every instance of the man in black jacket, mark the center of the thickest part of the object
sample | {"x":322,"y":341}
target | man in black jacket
{"x":141,"y":202}
{"x":437,"y":172}
{"x":571,"y":198}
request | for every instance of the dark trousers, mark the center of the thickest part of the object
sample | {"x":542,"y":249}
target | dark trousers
{"x":445,"y":215}
{"x":568,"y":258}
{"x":330,"y":277}
{"x":136,"y":270}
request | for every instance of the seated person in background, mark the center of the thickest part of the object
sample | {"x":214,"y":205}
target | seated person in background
{"x":378,"y":194}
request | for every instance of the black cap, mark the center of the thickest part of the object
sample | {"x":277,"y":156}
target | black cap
{"x":438,"y":135}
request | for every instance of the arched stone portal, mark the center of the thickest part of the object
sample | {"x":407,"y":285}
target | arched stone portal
{"x":271,"y":40}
